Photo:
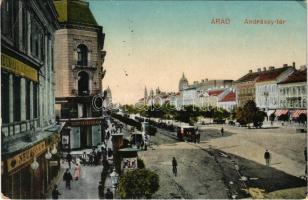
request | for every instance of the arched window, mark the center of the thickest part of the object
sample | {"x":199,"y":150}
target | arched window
{"x":82,"y":51}
{"x":83,"y":84}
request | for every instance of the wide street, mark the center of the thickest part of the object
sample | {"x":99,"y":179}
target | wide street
{"x":224,"y":167}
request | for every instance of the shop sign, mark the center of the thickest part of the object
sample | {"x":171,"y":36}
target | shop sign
{"x":17,"y":67}
{"x":25,"y":156}
{"x":53,"y":163}
{"x":130,"y":163}
{"x":85,"y":123}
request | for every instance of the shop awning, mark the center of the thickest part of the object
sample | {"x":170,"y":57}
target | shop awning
{"x":270,"y":112}
{"x":281,"y":112}
{"x":297,"y":113}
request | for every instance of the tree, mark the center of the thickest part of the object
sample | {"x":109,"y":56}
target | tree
{"x":258,"y":119}
{"x":139,"y":183}
{"x":250,"y":113}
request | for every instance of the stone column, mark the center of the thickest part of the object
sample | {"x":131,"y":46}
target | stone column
{"x":23,"y":99}
{"x":11,"y":97}
{"x":31,"y":100}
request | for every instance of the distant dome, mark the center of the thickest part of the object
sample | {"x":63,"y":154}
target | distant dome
{"x":183,"y":84}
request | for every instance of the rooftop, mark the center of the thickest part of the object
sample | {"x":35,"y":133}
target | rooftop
{"x":229,"y":97}
{"x":297,"y":76}
{"x":215,"y":92}
{"x":74,"y":11}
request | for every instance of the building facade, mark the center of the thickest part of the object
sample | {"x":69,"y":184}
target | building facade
{"x":79,"y":62}
{"x":293,"y":93}
{"x":28,"y":128}
{"x":228,"y":102}
{"x":267,"y":94}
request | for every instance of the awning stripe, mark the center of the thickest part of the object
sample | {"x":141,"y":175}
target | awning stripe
{"x":297,"y":113}
{"x":281,"y":112}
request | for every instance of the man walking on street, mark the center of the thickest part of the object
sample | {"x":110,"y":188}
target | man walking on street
{"x":174,"y":166}
{"x":67,"y":177}
{"x":100,"y":190}
{"x":108,"y":194}
{"x":69,"y":159}
{"x":267,"y":157}
{"x":222,"y":131}
{"x":55,"y":193}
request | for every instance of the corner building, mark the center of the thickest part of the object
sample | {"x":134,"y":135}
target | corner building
{"x":79,"y":61}
{"x":28,"y":126}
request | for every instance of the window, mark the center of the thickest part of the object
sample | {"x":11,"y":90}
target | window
{"x":28,"y":100}
{"x":83,"y":84}
{"x":82,"y":51}
{"x":35,"y":93}
{"x":5,"y":98}
{"x":7,"y":18}
{"x":24,"y":28}
{"x":36,"y":40}
{"x":16,"y":86}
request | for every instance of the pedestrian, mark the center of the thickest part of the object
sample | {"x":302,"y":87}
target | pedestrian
{"x":100,"y":190}
{"x":55,"y":193}
{"x":267,"y":157}
{"x":67,"y":177}
{"x":222,"y":131}
{"x":69,"y":159}
{"x":77,"y":172}
{"x":174,"y":166}
{"x":84,"y":158}
{"x":108,"y":194}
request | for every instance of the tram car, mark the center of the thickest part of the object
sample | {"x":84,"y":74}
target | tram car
{"x":186,"y":133}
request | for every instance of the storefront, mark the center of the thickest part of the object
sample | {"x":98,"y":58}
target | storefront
{"x":30,"y":173}
{"x":81,"y":133}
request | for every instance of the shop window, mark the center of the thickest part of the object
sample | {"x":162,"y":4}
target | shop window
{"x":28,"y":103}
{"x":82,"y":51}
{"x":17,"y":101}
{"x":5,"y":98}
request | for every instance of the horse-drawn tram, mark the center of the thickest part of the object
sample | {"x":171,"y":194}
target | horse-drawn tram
{"x":186,"y":133}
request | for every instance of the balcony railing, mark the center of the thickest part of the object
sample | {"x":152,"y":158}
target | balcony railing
{"x":91,"y":67}
{"x":15,"y":128}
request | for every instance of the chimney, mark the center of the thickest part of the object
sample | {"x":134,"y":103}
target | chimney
{"x":259,"y":69}
{"x":271,"y":68}
{"x":250,"y":71}
{"x":285,"y":65}
{"x":264,"y":68}
{"x":293,"y":65}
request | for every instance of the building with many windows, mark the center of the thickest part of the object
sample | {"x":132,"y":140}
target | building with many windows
{"x":79,"y":72}
{"x":29,"y":130}
{"x":267,"y":89}
{"x":293,"y":93}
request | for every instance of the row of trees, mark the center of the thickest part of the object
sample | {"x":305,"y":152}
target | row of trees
{"x":188,"y":114}
{"x":248,"y":114}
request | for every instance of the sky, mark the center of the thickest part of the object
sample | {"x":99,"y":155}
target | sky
{"x":151,"y":43}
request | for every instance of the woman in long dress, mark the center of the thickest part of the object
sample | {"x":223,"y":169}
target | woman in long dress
{"x":77,"y":171}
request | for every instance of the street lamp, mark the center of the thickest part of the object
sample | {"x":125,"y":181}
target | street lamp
{"x":35,"y":164}
{"x":48,"y":155}
{"x":114,"y":179}
{"x":54,"y":150}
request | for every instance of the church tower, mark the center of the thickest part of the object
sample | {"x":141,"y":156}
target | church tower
{"x":183,"y":84}
{"x":145,"y":93}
